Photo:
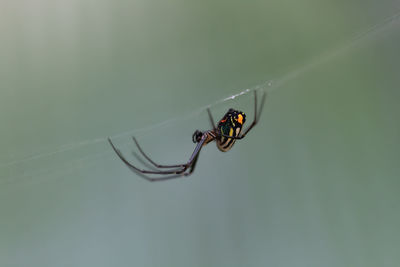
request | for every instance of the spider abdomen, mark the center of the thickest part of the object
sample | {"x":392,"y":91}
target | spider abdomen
{"x":226,"y":143}
{"x":229,"y":128}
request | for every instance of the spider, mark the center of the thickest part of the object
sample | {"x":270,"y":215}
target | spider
{"x":225,"y":134}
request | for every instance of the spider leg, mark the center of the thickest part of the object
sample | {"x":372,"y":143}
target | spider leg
{"x":257,"y":113}
{"x":176,"y":173}
{"x":193,"y":166}
{"x":151,"y":161}
{"x":184,"y":174}
{"x":143,"y":161}
{"x":131,"y":166}
{"x":264,"y":95}
{"x":211,"y":119}
{"x":159,"y":179}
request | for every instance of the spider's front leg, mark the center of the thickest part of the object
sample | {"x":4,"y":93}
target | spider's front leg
{"x":179,"y":170}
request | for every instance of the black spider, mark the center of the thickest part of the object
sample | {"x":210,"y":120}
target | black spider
{"x":225,"y":134}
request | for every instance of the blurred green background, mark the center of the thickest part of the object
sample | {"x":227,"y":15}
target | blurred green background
{"x":314,"y":184}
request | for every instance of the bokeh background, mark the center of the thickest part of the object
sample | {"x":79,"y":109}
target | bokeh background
{"x":316,"y":183}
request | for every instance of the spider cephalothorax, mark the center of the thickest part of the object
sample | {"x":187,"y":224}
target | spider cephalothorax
{"x":228,"y":130}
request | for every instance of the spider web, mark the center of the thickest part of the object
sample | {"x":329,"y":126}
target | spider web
{"x":86,"y":152}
